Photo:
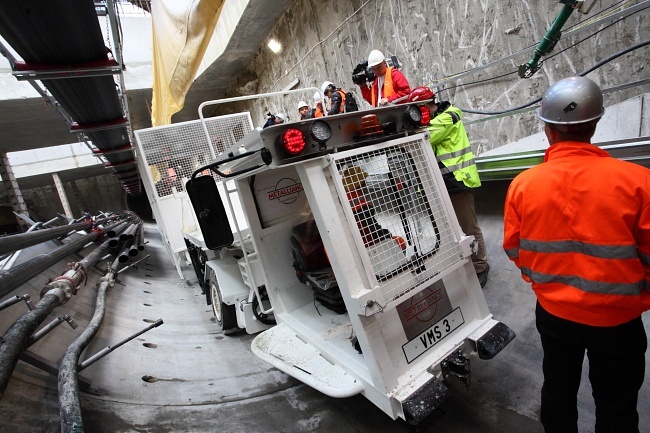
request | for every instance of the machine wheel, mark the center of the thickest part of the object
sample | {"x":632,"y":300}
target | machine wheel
{"x":225,"y":314}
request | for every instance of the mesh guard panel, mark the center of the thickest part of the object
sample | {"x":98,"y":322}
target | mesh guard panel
{"x":172,"y":153}
{"x":400,"y":225}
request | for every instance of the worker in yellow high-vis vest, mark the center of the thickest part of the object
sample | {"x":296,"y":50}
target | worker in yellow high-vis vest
{"x":456,"y":161}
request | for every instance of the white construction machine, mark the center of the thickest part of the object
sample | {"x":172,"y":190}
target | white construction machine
{"x":343,"y":225}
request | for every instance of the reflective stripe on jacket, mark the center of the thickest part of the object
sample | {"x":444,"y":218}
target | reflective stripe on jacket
{"x":578,"y":227}
{"x":451,"y":146}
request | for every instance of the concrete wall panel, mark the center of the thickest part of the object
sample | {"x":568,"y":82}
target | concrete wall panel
{"x":100,"y":193}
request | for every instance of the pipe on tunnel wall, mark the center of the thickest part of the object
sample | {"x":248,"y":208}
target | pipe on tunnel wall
{"x":16,"y":276}
{"x":9,"y":244}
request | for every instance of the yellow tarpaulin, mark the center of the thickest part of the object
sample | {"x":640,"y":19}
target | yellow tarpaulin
{"x":181,"y":31}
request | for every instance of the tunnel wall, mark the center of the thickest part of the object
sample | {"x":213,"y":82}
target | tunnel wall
{"x":435,"y":40}
{"x":100,"y":193}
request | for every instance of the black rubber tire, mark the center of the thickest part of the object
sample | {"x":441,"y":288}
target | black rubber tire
{"x":197,"y":256}
{"x":225,"y":315}
{"x":267,"y":319}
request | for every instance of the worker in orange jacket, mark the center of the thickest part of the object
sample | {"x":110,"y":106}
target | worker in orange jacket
{"x":578,"y":227}
{"x":318,"y":110}
{"x":388,"y":85}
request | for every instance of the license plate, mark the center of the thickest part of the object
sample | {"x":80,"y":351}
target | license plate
{"x":433,"y":335}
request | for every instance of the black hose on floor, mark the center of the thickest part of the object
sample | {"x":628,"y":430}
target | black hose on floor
{"x":14,"y":341}
{"x":69,"y":403}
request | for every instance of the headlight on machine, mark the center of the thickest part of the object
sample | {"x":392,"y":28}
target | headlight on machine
{"x":320,"y":131}
{"x":418,"y":115}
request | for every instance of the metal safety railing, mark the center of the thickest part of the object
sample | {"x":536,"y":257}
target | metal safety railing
{"x":507,"y":166}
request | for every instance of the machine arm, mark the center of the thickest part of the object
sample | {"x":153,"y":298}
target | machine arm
{"x":553,"y":35}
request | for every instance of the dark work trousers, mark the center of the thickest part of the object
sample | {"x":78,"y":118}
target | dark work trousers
{"x":463,"y":203}
{"x":616,"y":369}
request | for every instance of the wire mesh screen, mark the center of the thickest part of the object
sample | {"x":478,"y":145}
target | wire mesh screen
{"x":401,"y":221}
{"x":173,"y":152}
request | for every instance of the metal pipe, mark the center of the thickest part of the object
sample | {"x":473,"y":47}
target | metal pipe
{"x":14,"y":300}
{"x":14,"y":277}
{"x":49,"y":327}
{"x":9,"y":244}
{"x":103,"y":220}
{"x":140,"y":243}
{"x":14,"y":341}
{"x":132,"y":264}
{"x":108,"y":349}
{"x":50,"y":222}
{"x":117,"y":229}
{"x":95,"y":256}
{"x":114,"y":242}
{"x":123,"y":256}
{"x":133,"y":250}
{"x":85,"y":216}
{"x":55,"y":293}
{"x":128,"y":232}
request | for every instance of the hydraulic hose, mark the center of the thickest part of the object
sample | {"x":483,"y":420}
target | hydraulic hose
{"x":69,"y":404}
{"x":14,"y":341}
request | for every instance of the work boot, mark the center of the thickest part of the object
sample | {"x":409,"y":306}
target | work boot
{"x":482,"y":276}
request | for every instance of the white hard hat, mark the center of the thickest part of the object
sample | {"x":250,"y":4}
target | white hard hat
{"x":302,"y":104}
{"x":375,"y":58}
{"x":317,"y":97}
{"x":325,"y":85}
{"x":281,"y":116}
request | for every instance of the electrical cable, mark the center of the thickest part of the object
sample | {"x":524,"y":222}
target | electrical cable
{"x":581,"y":74}
{"x":546,"y":58}
{"x":571,"y":30}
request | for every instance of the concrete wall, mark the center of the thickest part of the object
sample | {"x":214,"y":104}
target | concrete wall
{"x":100,"y":193}
{"x":435,"y":40}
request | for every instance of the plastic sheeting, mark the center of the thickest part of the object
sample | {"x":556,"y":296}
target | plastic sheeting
{"x":181,"y":31}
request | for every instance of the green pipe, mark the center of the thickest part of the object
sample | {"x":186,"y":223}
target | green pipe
{"x":548,"y":41}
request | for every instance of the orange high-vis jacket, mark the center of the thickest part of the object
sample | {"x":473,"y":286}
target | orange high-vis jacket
{"x":578,"y":227}
{"x":387,"y":89}
{"x":395,"y":86}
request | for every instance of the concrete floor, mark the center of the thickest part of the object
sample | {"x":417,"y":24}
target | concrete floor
{"x":185,"y":376}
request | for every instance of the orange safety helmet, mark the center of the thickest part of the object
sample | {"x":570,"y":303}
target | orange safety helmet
{"x":421,"y":93}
